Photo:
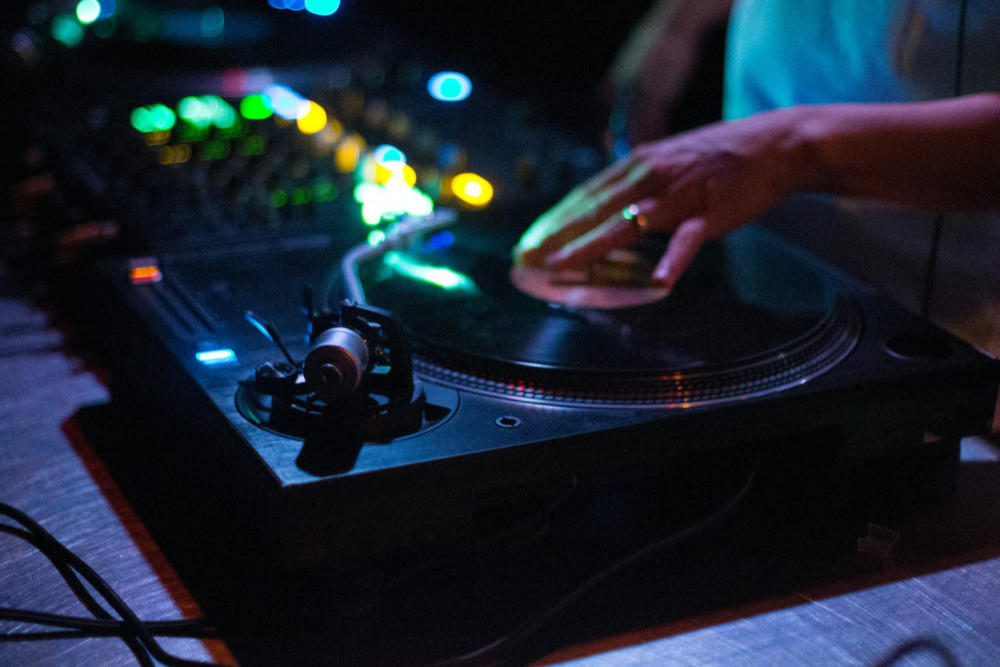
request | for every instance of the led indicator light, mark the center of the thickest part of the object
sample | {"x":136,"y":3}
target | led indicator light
{"x":215,"y":357}
{"x":141,"y":275}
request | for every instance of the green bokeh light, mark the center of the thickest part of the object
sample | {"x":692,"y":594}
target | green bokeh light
{"x":162,"y":116}
{"x":193,"y":111}
{"x":225,"y":117}
{"x":279,"y":198}
{"x":207,"y":110}
{"x":153,"y":118}
{"x":87,"y":11}
{"x":142,"y":119}
{"x":256,"y":107}
{"x":67,"y":30}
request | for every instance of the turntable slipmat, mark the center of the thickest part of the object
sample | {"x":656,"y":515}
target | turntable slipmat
{"x":749,"y":318}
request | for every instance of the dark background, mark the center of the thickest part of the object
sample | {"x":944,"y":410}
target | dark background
{"x":552,"y":53}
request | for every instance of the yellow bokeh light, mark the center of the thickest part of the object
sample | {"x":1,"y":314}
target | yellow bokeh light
{"x":404,"y":171}
{"x":348,"y":153}
{"x":313,"y":120}
{"x":409,"y":175}
{"x":472,"y":189}
{"x":157,"y":138}
{"x":177,"y":154}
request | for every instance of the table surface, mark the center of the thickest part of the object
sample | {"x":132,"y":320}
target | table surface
{"x":941,"y":585}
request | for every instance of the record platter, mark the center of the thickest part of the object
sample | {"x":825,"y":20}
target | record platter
{"x":424,"y":382}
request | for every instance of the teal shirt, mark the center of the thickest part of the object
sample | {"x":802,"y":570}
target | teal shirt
{"x":786,"y":52}
{"x":790,"y":52}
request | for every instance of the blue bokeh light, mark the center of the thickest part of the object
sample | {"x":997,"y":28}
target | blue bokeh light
{"x":108,"y":8}
{"x":449,"y":86}
{"x":389,"y":156}
{"x":322,"y":7}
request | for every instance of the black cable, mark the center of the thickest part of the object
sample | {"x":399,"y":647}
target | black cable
{"x":66,"y":572}
{"x":62,"y":557}
{"x":489,"y":654}
{"x":96,"y":627}
{"x":78,"y":588}
{"x":53,"y":548}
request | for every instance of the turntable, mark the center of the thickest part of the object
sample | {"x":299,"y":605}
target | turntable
{"x":379,"y":426}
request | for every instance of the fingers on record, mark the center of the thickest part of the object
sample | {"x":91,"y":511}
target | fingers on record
{"x":617,"y":231}
{"x":585,"y":209}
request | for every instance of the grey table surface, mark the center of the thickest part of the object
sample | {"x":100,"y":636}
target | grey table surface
{"x":48,"y":470}
{"x":945,"y":583}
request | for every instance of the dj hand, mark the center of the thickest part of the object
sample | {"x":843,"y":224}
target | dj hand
{"x":695,"y":186}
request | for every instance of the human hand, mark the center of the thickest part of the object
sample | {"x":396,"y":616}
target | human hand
{"x":696,"y":186}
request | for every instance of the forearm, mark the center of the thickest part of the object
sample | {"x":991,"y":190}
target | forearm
{"x":941,"y":154}
{"x":682,"y":22}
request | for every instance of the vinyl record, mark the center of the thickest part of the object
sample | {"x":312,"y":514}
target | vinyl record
{"x":744,"y":304}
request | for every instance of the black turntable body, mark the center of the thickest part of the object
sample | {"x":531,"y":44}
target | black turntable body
{"x":506,"y":396}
